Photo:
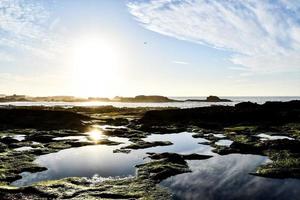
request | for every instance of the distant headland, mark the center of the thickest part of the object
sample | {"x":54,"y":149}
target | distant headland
{"x":210,"y":99}
{"x":136,"y":99}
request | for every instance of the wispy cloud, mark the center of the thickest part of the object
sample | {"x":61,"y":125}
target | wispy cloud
{"x":264,"y":36}
{"x":25,"y":25}
{"x":6,"y":57}
{"x":180,"y":62}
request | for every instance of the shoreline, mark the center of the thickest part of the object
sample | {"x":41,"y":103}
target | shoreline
{"x":136,"y":99}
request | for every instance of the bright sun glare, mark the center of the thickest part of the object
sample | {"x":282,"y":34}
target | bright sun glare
{"x":95,"y":65}
{"x":95,"y":135}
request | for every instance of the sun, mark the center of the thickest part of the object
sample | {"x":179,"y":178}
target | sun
{"x":95,"y":63}
{"x":95,"y":135}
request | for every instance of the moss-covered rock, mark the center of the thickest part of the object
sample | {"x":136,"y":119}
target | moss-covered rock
{"x":13,"y":163}
{"x":284,"y":164}
{"x":141,"y":144}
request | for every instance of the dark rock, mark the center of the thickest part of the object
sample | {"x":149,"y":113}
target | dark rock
{"x":2,"y":147}
{"x":166,"y":165}
{"x":40,"y":118}
{"x":218,"y":117}
{"x":143,"y":98}
{"x":162,"y":129}
{"x":283,"y":144}
{"x":141,"y":144}
{"x":216,"y":99}
{"x":117,"y":121}
{"x":125,"y":132}
{"x":107,"y":142}
{"x":170,"y":157}
{"x":8,"y":140}
{"x":162,"y":169}
{"x":210,"y":99}
{"x":285,"y":164}
{"x":195,"y":156}
{"x":121,"y":151}
{"x":247,"y":105}
{"x":178,"y":158}
{"x":40,"y":138}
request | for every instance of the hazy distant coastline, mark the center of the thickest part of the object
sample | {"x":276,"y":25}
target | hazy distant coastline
{"x":136,"y":99}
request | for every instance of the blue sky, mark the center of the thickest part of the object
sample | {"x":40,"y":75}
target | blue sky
{"x":166,"y":47}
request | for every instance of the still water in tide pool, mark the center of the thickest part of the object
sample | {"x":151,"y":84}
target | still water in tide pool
{"x":227,"y":177}
{"x":88,"y":161}
{"x":220,"y":177}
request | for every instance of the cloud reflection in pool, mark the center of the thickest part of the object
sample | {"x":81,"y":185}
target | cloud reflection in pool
{"x":227,"y":177}
{"x":87,"y":161}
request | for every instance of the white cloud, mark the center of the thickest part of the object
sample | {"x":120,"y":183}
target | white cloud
{"x":180,"y":62}
{"x":264,"y":36}
{"x":25,"y":26}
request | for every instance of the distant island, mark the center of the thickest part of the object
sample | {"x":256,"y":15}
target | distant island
{"x":136,"y":99}
{"x":210,"y":99}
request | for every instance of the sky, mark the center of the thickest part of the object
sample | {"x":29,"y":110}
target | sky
{"x":152,"y":47}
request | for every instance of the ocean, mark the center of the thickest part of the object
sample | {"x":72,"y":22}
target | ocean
{"x":235,"y":100}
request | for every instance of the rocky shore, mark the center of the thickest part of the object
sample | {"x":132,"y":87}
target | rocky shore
{"x":242,"y":124}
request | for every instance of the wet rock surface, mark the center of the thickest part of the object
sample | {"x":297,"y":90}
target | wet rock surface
{"x":173,"y":157}
{"x":284,"y":153}
{"x":140,"y":144}
{"x":40,"y":119}
{"x":218,"y":117}
{"x":241,"y":124}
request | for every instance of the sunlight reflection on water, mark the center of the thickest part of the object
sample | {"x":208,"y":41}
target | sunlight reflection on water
{"x":220,"y":177}
{"x":87,"y":161}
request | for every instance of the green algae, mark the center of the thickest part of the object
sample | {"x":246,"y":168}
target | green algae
{"x":284,"y":164}
{"x":13,"y":163}
{"x":241,"y":128}
{"x":284,"y":154}
{"x":141,"y":144}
